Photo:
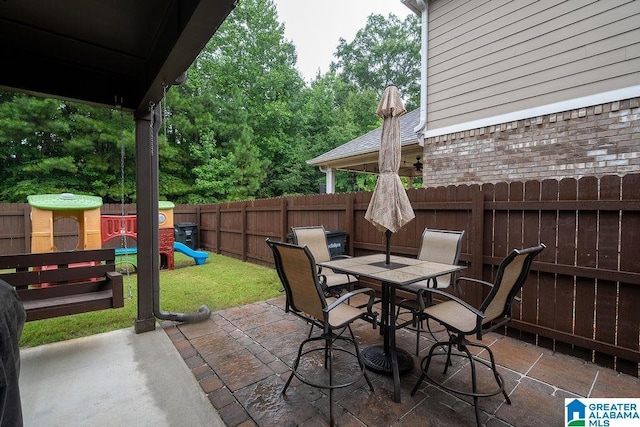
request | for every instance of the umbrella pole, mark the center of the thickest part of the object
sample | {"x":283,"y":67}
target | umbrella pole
{"x":387,"y":260}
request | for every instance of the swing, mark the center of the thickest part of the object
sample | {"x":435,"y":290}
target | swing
{"x":124,"y":260}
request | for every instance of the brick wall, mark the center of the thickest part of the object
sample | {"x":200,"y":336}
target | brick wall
{"x":596,"y":141}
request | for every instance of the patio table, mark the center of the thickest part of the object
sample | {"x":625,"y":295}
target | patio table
{"x":401,"y":271}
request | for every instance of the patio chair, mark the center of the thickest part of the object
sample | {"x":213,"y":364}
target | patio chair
{"x":315,"y":238}
{"x":442,"y":246}
{"x":306,"y":299}
{"x":461,"y":320}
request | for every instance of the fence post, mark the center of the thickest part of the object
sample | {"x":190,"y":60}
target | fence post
{"x":27,"y":228}
{"x":477,"y":230}
{"x":244,"y":232}
{"x":284,"y":220}
{"x":350,"y":221}
{"x":218,"y":229}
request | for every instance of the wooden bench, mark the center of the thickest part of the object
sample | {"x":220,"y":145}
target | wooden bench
{"x":62,"y":283}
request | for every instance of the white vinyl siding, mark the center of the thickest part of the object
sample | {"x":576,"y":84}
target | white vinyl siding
{"x":494,"y":57}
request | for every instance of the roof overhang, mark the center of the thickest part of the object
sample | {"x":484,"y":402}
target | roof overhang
{"x":368,"y":162}
{"x":361,"y":154}
{"x":414,"y":6}
{"x":104,"y":52}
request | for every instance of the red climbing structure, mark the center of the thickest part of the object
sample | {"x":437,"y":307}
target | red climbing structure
{"x":116,"y":226}
{"x":112,"y":226}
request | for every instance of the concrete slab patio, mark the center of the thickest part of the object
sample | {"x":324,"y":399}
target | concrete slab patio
{"x":112,"y":379}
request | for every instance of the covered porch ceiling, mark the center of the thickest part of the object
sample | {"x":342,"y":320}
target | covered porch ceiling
{"x":361,"y":154}
{"x":103,"y":52}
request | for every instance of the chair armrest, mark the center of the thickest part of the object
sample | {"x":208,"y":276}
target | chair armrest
{"x":372,"y":314}
{"x":113,"y":275}
{"x":472,"y":280}
{"x":447,"y":295}
{"x":340,"y":257}
{"x":346,"y":296}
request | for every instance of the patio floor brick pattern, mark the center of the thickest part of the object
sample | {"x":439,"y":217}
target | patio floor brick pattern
{"x":241,"y":358}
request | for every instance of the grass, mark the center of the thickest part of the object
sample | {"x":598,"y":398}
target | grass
{"x":220,"y":283}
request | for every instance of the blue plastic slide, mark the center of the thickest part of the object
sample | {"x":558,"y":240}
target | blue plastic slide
{"x":198,"y":256}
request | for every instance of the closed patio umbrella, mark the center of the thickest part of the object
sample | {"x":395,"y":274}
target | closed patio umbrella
{"x":389,"y":209}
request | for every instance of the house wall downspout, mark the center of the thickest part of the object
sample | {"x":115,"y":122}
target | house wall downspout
{"x":424,"y":57}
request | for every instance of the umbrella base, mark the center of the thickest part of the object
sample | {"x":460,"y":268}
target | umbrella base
{"x":376,"y":360}
{"x":390,"y":266}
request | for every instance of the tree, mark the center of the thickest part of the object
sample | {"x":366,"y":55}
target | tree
{"x":235,"y":110}
{"x":54,"y":146}
{"x":386,"y":50}
{"x":331,"y":114}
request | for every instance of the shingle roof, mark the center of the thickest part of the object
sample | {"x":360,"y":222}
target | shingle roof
{"x":370,"y":142}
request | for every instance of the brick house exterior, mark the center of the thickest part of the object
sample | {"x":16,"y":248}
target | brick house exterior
{"x":598,"y":140}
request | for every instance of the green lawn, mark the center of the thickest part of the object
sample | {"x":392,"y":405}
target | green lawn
{"x":220,"y":283}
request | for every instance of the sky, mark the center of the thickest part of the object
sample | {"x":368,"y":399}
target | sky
{"x":316,"y":26}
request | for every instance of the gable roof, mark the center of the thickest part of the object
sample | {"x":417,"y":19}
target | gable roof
{"x":361,"y":154}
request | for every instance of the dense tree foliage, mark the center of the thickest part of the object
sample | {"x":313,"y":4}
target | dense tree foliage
{"x":241,"y":126}
{"x":238,"y":114}
{"x":52,"y":146}
{"x":385,"y":51}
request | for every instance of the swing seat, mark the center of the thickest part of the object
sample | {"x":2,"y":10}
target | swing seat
{"x":75,"y":282}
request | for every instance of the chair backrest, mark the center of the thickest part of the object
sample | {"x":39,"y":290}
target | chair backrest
{"x":297,"y":271}
{"x":511,"y":275}
{"x":315,"y":238}
{"x":441,"y":246}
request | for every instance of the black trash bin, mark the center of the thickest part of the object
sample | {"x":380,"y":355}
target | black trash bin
{"x":337,"y":242}
{"x":187,"y":233}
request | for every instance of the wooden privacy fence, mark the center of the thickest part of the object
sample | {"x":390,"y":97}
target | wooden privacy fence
{"x":583,"y":293}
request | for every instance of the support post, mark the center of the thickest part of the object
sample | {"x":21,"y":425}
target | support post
{"x":147,"y":218}
{"x":330,"y":175}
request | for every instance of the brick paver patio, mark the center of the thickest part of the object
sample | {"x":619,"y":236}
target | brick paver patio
{"x":241,"y":357}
